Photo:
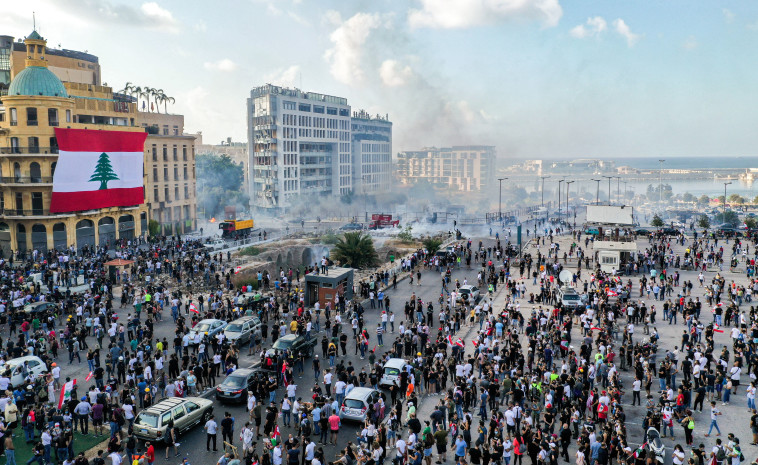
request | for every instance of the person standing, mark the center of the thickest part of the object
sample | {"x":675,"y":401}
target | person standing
{"x":334,"y":427}
{"x":227,"y":428}
{"x":211,"y":430}
{"x":10,"y":450}
{"x":714,"y":423}
{"x":171,"y":438}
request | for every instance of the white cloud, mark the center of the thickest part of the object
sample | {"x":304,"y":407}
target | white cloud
{"x":690,"y":43}
{"x":200,"y":26}
{"x":623,"y":29}
{"x":593,"y":27}
{"x":457,"y":14}
{"x":149,"y":14}
{"x":225,"y":64}
{"x":394,"y":74}
{"x":348,"y":40}
{"x":728,"y":15}
{"x":272,"y":10}
{"x":298,"y":19}
{"x":287,"y":77}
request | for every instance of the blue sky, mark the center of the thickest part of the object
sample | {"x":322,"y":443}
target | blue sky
{"x":536,"y":78}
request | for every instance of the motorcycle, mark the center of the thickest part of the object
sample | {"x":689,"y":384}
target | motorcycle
{"x":655,"y":445}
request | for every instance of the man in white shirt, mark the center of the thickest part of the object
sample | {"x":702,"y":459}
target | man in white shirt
{"x":115,"y":458}
{"x":339,"y":391}
{"x":211,"y":429}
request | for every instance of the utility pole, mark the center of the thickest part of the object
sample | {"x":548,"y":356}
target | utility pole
{"x":723,"y":215}
{"x":625,"y":190}
{"x":543,"y":189}
{"x":618,"y":189}
{"x":559,"y":197}
{"x":500,"y":202}
{"x":660,"y":185}
{"x":597,"y":193}
{"x":568,"y":183}
{"x":609,"y":188}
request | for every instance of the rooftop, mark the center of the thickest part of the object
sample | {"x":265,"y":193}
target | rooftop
{"x":269,"y":89}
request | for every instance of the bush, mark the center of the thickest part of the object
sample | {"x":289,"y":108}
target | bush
{"x":251,"y":251}
{"x":406,"y":235}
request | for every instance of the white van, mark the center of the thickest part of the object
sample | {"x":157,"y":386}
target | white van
{"x":391,"y":372}
{"x":18,"y":368}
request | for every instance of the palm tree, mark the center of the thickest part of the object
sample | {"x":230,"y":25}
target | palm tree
{"x":157,"y":93}
{"x":127,"y":90}
{"x":147,"y":93}
{"x":356,"y":250}
{"x":166,"y":100}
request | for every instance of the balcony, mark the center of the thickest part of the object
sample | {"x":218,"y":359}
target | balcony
{"x":28,"y":150}
{"x":32,"y":122}
{"x":26,"y":180}
{"x":6,"y":212}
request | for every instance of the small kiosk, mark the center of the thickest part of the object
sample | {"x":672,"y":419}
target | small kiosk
{"x":118,"y":267}
{"x":323,"y":288}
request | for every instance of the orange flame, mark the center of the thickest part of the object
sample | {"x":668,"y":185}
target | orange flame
{"x":213,"y":220}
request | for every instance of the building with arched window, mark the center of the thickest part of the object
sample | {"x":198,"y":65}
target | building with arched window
{"x":37,"y":102}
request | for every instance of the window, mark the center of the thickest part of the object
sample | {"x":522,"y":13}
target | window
{"x":609,"y":260}
{"x":176,"y":192}
{"x":33,"y":144}
{"x":34,"y":172}
{"x":155,"y":195}
{"x":14,"y":117}
{"x":165,"y":191}
{"x":176,"y":130}
{"x":14,"y":145}
{"x":52,"y":116}
{"x":304,"y":107}
{"x":165,"y":173}
{"x":31,"y":116}
{"x":175,"y":153}
{"x":185,"y":172}
{"x":155,"y":174}
{"x":331,"y":111}
{"x":68,"y":116}
{"x":186,"y":191}
{"x":165,"y":418}
{"x":288,"y":105}
{"x":178,"y":412}
{"x":165,"y":153}
{"x":318,"y":109}
{"x":176,"y":173}
{"x":184,"y":152}
{"x":155,"y":153}
{"x":19,"y":203}
{"x":37,"y":203}
{"x":191,"y":406}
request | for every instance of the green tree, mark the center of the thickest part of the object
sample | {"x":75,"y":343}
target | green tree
{"x":704,"y":222}
{"x":154,"y":228}
{"x":432,"y":244}
{"x":751,"y":222}
{"x":736,"y":198}
{"x":755,"y":200}
{"x":703,"y":200}
{"x":687,"y":197}
{"x":406,"y":235}
{"x":356,"y":250}
{"x":103,"y":171}
{"x":730,"y":218}
{"x":219,"y":183}
{"x":657,"y":221}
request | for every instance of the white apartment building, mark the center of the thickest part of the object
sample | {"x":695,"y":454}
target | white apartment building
{"x":299,"y":144}
{"x":372,"y":153}
{"x":463,"y":168}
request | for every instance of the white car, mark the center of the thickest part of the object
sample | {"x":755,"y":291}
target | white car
{"x":18,"y":368}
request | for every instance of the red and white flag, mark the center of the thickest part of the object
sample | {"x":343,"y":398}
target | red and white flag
{"x":716,"y":329}
{"x":66,"y":393}
{"x":97,"y":169}
{"x":460,"y":342}
{"x":193,"y":309}
{"x":89,"y":376}
{"x":612,"y":293}
{"x":450,"y":339}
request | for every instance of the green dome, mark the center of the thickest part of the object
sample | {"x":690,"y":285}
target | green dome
{"x":37,"y":80}
{"x":35,"y":35}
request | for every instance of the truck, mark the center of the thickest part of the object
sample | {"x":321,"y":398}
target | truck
{"x":235,"y":229}
{"x":381,"y":221}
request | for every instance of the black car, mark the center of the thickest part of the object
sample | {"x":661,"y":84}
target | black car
{"x":352,"y":227}
{"x":39,"y":307}
{"x":236,"y":386}
{"x":670,"y":231}
{"x":295,"y":344}
{"x":641,"y":232}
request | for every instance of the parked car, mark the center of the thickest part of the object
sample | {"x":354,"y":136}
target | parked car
{"x":391,"y":371}
{"x":236,"y":386}
{"x":209,"y":327}
{"x":468,"y":290}
{"x":592,"y":231}
{"x":295,"y":343}
{"x":352,"y":227}
{"x":38,"y":307}
{"x":356,"y":403}
{"x":641,"y":232}
{"x":17,"y":369}
{"x":242,"y":329}
{"x":152,"y":422}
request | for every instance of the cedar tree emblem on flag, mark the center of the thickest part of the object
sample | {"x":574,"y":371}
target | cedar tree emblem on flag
{"x":103,"y":171}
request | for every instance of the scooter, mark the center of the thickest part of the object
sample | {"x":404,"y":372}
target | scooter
{"x":655,"y":445}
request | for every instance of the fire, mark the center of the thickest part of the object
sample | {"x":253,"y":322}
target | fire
{"x":213,"y":220}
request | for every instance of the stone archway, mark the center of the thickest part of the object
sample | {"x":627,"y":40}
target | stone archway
{"x":307,"y":257}
{"x":126,"y":227}
{"x":289,"y":258}
{"x":85,"y":234}
{"x":106,"y":228}
{"x":20,"y":238}
{"x":5,"y":240}
{"x":60,"y":240}
{"x":39,"y":237}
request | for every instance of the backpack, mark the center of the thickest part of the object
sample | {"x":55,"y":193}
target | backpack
{"x":720,"y":454}
{"x":521,"y":448}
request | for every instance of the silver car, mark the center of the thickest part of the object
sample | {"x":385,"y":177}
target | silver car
{"x":208,"y":327}
{"x":242,"y":329}
{"x":355,"y":405}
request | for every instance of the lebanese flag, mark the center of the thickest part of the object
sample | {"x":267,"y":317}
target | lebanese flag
{"x":275,"y":437}
{"x":66,"y":393}
{"x":450,"y":340}
{"x":460,"y":342}
{"x":612,"y":293}
{"x":595,"y":328}
{"x":193,"y":308}
{"x":475,"y":342}
{"x":89,"y":376}
{"x":716,"y":329}
{"x":98,"y":169}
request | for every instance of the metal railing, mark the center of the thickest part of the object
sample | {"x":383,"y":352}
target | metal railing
{"x":19,"y":212}
{"x":29,"y":149}
{"x":26,"y":179}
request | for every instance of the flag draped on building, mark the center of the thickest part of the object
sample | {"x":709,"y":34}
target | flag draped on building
{"x":66,"y":393}
{"x":97,"y":169}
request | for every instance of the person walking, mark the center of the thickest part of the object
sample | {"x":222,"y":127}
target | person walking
{"x":714,"y":423}
{"x":688,"y":423}
{"x":211,"y":430}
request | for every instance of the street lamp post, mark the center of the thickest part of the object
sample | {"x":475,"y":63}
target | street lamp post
{"x":597,"y":193}
{"x":609,"y":188}
{"x":500,"y":202}
{"x":543,"y":189}
{"x":625,"y":191}
{"x":618,"y":188}
{"x":568,"y":183}
{"x":559,"y":197}
{"x":660,"y":185}
{"x":723,"y":215}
